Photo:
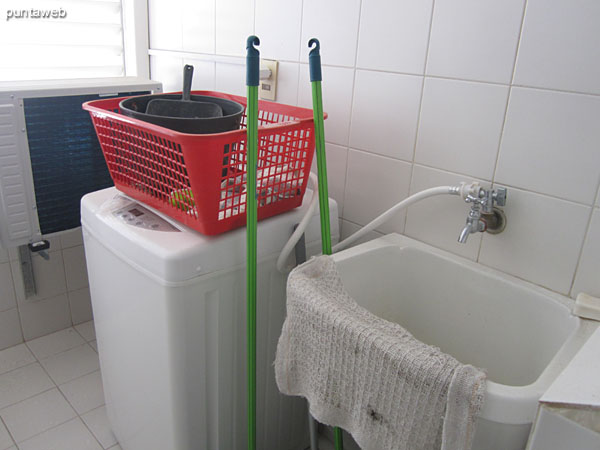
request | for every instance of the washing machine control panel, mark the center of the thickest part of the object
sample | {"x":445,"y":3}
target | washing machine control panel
{"x":138,"y":216}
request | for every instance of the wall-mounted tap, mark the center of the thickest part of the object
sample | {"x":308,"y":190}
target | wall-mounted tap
{"x":484,"y":216}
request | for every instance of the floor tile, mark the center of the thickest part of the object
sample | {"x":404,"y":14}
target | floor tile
{"x":84,"y":393}
{"x":22,"y":383}
{"x":10,"y":328}
{"x":116,"y":447}
{"x":15,"y":357}
{"x":72,"y":435}
{"x":37,"y":414}
{"x":73,"y":363}
{"x":94,"y":345}
{"x":55,"y":343}
{"x":97,"y":422}
{"x":87,"y":330}
{"x":5,"y":439}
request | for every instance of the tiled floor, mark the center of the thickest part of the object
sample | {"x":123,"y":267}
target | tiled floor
{"x":51,"y":394}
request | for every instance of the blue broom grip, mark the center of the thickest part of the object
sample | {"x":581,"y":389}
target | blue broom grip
{"x":252,"y":61}
{"x":314,"y":60}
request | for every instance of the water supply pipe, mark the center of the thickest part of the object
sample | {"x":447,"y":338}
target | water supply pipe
{"x":463,"y":190}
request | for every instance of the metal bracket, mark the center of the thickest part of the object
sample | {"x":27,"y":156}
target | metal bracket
{"x":40,"y":247}
{"x":27,"y":271}
{"x":26,"y":264}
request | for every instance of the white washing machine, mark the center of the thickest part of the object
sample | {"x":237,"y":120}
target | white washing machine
{"x":170,"y":314}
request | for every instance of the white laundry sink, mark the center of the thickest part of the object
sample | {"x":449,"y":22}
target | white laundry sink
{"x":521,"y":334}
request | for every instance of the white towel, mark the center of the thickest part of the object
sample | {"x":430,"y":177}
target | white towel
{"x":369,"y":376}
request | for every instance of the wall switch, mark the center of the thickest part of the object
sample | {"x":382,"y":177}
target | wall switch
{"x":268,"y":86}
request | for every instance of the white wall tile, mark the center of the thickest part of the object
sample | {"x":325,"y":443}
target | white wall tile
{"x":393,"y":35}
{"x":287,"y":83}
{"x":235,"y":22}
{"x":439,"y":220}
{"x":541,"y":241}
{"x":349,"y":228}
{"x":54,"y":343}
{"x":49,"y":276}
{"x":37,"y":414}
{"x":85,"y":393}
{"x":559,"y":46}
{"x":374,"y":184}
{"x":71,"y":238}
{"x":335,"y":24}
{"x":231,"y":78}
{"x":337,"y":100}
{"x":41,"y":317}
{"x":71,"y":364}
{"x":168,"y":70}
{"x":475,"y":39}
{"x":550,"y":144}
{"x":75,"y":268}
{"x":164,"y":24}
{"x":204,"y":74}
{"x":72,"y":435}
{"x":81,"y":305}
{"x":460,"y":126}
{"x":385,"y":112}
{"x":588,"y":271}
{"x":10,"y":328}
{"x":198,"y":26}
{"x":22,"y":383}
{"x":15,"y":357}
{"x":278,"y":27}
{"x":7,"y":290}
{"x":337,"y":158}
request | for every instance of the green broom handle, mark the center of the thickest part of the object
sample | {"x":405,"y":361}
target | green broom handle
{"x":314,"y":63}
{"x":252,"y":77}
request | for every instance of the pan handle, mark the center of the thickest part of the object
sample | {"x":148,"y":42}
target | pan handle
{"x":188,"y":72}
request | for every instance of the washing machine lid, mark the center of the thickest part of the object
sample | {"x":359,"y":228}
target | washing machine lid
{"x":173,"y":253}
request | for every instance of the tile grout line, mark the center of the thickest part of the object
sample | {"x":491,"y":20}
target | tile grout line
{"x":584,"y":241}
{"x":419,"y":113}
{"x":62,"y":394}
{"x":347,"y":145}
{"x":2,"y":422}
{"x":503,"y":127}
{"x":14,"y":290}
{"x":236,"y":59}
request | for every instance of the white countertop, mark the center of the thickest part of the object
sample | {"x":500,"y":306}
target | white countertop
{"x":579,"y":383}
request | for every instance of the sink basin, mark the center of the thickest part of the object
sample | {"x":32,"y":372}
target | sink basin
{"x":521,"y":334}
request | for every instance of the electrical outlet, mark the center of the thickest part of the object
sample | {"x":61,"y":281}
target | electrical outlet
{"x":268,"y":87}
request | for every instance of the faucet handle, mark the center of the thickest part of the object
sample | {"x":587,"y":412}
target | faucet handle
{"x":499,"y":196}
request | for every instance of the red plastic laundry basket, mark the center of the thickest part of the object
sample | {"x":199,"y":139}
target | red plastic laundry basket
{"x":200,"y":179}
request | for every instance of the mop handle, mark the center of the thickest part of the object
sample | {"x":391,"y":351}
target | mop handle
{"x":314,"y":63}
{"x":252,"y":77}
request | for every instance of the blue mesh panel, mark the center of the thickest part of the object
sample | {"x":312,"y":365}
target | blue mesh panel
{"x":66,"y":158}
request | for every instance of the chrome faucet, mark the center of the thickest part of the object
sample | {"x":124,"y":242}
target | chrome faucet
{"x":483,"y":211}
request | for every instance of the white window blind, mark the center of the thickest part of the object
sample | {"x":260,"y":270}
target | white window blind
{"x":75,"y":39}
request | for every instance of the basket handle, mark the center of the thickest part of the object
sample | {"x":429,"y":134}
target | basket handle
{"x":188,"y":73}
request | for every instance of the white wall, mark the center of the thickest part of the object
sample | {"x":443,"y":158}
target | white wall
{"x":422,"y":93}
{"x":62,"y":299}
